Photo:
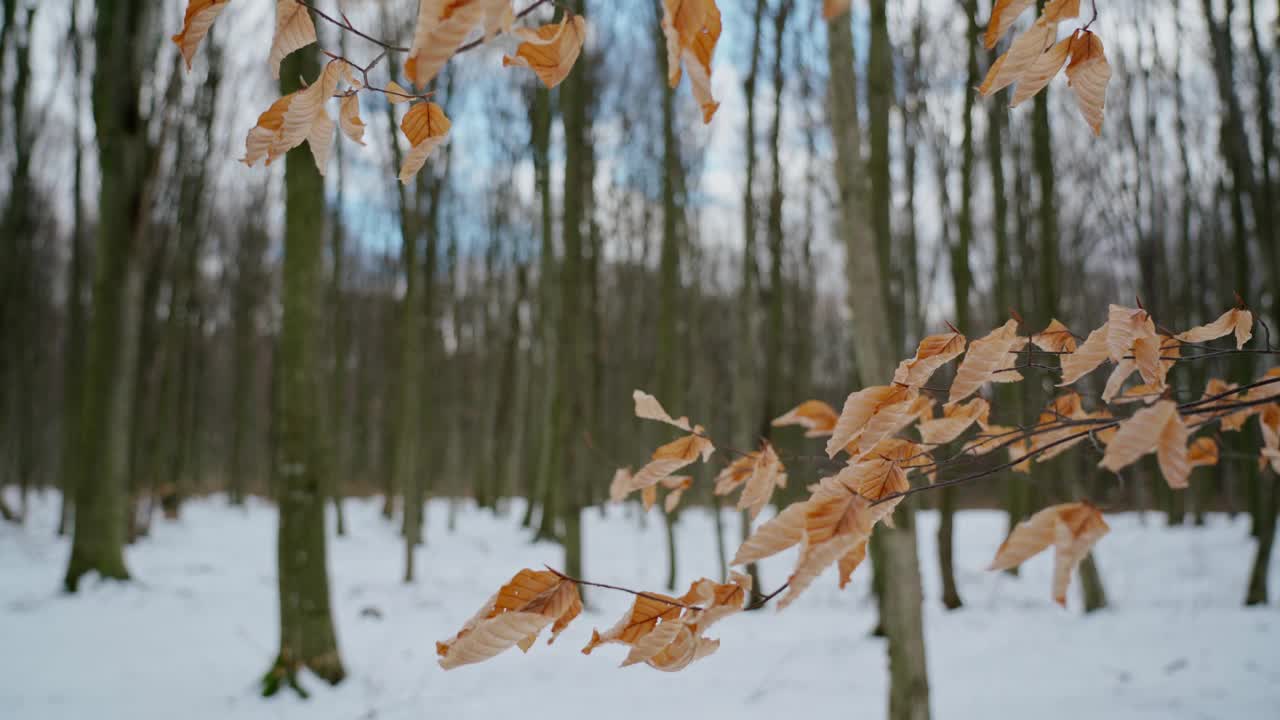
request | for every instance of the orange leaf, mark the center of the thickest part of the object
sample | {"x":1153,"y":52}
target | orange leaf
{"x":850,"y":562}
{"x":1018,"y":59}
{"x":648,"y":408}
{"x":425,"y":126}
{"x":1235,"y":320}
{"x":195,"y":25}
{"x":858,"y":410}
{"x":1203,"y":452}
{"x":515,"y":615}
{"x":1087,"y":357}
{"x":1056,"y":338}
{"x":835,"y":8}
{"x":442,"y":26}
{"x":1042,"y":70}
{"x":985,"y":357}
{"x":349,"y":118}
{"x":620,"y":486}
{"x":294,"y":31}
{"x":1072,"y":528}
{"x":1088,"y":75}
{"x":692,"y":29}
{"x":1003,"y":14}
{"x":816,"y":417}
{"x":671,"y":457}
{"x":1158,"y":429}
{"x":778,"y":534}
{"x":736,"y":473}
{"x":932,"y":353}
{"x":955,"y":420}
{"x":551,"y":50}
{"x":294,"y":119}
{"x":765,"y":476}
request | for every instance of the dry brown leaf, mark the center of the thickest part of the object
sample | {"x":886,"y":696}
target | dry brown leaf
{"x":1042,"y":70}
{"x":1087,"y":357}
{"x":884,"y":424}
{"x":195,"y":25}
{"x":515,"y":615}
{"x":1146,"y":355}
{"x":1231,"y":420}
{"x":932,"y":353}
{"x":764,"y":478}
{"x":1059,"y":10}
{"x":648,"y":408}
{"x":349,"y":118}
{"x":647,"y":612}
{"x":850,"y":562}
{"x":1203,"y":452}
{"x":955,"y":420}
{"x":442,"y":26}
{"x":1056,"y":338}
{"x":816,"y":417}
{"x":649,"y":496}
{"x":1003,"y":14}
{"x":1269,"y":421}
{"x":1021,"y":55}
{"x":1236,"y":320}
{"x":669,"y":458}
{"x":778,"y":534}
{"x":294,"y":119}
{"x":675,"y":485}
{"x":1158,"y":429}
{"x":397,"y":94}
{"x":986,"y":356}
{"x":692,"y":29}
{"x":294,"y":31}
{"x":620,"y":486}
{"x":551,"y":50}
{"x":736,"y":473}
{"x":1088,"y":75}
{"x":1115,"y":381}
{"x":1072,"y":528}
{"x":426,"y":127}
{"x":832,"y":9}
{"x":859,"y":408}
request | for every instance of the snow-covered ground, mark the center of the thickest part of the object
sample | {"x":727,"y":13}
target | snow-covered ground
{"x":190,"y":637}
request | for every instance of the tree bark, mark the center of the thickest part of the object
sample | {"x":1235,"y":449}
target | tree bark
{"x":307,"y":637}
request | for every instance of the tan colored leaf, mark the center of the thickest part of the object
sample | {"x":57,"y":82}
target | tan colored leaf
{"x":858,"y":410}
{"x":294,"y":31}
{"x":1141,"y":434}
{"x":649,"y":496}
{"x":349,"y":118}
{"x":813,"y":560}
{"x":736,"y":473}
{"x":1042,"y":70}
{"x":1235,"y":320}
{"x":1056,"y":338}
{"x":195,"y":25}
{"x":692,"y":29}
{"x":676,"y":485}
{"x":1203,"y":452}
{"x":1115,"y":381}
{"x":1231,"y":421}
{"x":764,"y":478}
{"x":1003,"y":14}
{"x":985,"y":357}
{"x":783,"y":531}
{"x":397,"y":94}
{"x":1088,"y":356}
{"x":816,"y":417}
{"x":933,"y":352}
{"x":647,"y":611}
{"x":1050,"y":444}
{"x":291,"y":120}
{"x":955,"y":420}
{"x":671,"y":457}
{"x":1021,"y":55}
{"x":1269,"y":421}
{"x":1072,"y":528}
{"x":551,"y":50}
{"x":1059,"y":10}
{"x":1172,"y":454}
{"x":620,"y":487}
{"x":426,"y":127}
{"x":1124,"y":326}
{"x":648,"y":408}
{"x":515,"y":615}
{"x":442,"y":26}
{"x":884,"y":424}
{"x":850,"y":562}
{"x":1088,"y":75}
{"x":320,"y":140}
{"x":1146,"y":355}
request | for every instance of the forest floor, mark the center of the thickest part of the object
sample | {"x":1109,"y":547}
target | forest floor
{"x":190,"y":637}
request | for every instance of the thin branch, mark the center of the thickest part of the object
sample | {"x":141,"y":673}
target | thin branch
{"x":346,"y":26}
{"x":637,"y":593}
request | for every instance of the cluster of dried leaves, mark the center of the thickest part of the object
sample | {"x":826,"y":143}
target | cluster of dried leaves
{"x":888,"y":434}
{"x":444,"y":28}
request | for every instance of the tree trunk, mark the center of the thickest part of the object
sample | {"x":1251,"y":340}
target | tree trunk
{"x":307,"y":637}
{"x":97,"y":543}
{"x":901,"y":612}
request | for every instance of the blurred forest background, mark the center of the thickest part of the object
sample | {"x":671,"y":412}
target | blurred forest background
{"x":478,"y":333}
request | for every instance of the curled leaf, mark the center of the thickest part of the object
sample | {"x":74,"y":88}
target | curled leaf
{"x":1003,"y":14}
{"x":530,"y":601}
{"x":932,"y":353}
{"x":349,"y":118}
{"x":195,"y":25}
{"x":816,"y":417}
{"x":671,"y":457}
{"x":1088,"y":75}
{"x":294,"y":31}
{"x":551,"y":50}
{"x":425,"y":126}
{"x":1235,"y":320}
{"x":955,"y":420}
{"x":1042,"y":70}
{"x":692,"y":29}
{"x":442,"y":26}
{"x":1072,"y":529}
{"x":986,"y":356}
{"x":648,"y":408}
{"x":765,"y":476}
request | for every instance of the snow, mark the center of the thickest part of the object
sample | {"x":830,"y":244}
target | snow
{"x":190,"y":638}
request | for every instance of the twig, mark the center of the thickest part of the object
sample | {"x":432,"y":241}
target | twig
{"x":637,"y":593}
